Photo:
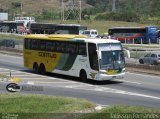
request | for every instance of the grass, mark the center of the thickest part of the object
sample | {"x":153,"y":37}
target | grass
{"x":48,"y":107}
{"x":23,"y":106}
{"x":29,"y":5}
{"x":10,"y":36}
{"x":17,"y":103}
{"x":123,"y":112}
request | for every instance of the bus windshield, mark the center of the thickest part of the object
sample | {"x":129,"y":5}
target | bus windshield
{"x":112,"y":56}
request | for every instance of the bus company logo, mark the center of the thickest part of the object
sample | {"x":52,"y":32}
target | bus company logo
{"x":13,"y":87}
{"x":48,"y":55}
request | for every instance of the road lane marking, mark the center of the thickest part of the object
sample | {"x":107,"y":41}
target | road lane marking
{"x":53,"y":82}
{"x":129,"y":81}
{"x":110,"y":90}
{"x":30,"y":83}
{"x":146,"y":75}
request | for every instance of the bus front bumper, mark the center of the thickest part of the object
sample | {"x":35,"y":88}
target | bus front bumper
{"x":102,"y":77}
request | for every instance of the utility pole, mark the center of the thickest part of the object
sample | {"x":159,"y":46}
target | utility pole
{"x":80,"y":10}
{"x":72,"y":7}
{"x":114,"y":6}
{"x":62,"y":11}
{"x":21,"y":7}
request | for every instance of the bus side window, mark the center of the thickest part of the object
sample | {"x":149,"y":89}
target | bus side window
{"x":27,"y":43}
{"x":34,"y":44}
{"x":71,"y":48}
{"x":50,"y":46}
{"x":82,"y":49}
{"x":43,"y":45}
{"x":63,"y":47}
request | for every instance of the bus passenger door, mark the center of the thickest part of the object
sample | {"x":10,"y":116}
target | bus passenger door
{"x":93,"y":58}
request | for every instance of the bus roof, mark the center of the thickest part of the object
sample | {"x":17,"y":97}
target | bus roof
{"x":69,"y":37}
{"x":71,"y":25}
{"x":132,"y":27}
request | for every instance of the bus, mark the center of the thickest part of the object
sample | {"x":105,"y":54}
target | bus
{"x":12,"y":27}
{"x":74,"y":55}
{"x":41,"y":28}
{"x":146,"y":34}
{"x":49,"y":28}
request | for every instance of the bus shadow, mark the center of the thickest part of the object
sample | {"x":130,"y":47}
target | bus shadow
{"x":76,"y":79}
{"x":70,"y":78}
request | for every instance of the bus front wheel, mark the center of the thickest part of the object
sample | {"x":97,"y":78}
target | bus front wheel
{"x":35,"y":68}
{"x":83,"y":75}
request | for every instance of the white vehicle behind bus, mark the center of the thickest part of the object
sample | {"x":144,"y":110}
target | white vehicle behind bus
{"x":91,"y":33}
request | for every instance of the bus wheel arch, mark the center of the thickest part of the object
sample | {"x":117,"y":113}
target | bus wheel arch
{"x":42,"y":69}
{"x":83,"y":75}
{"x":35,"y":67}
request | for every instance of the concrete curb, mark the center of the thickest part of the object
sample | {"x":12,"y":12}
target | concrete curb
{"x":148,"y":69}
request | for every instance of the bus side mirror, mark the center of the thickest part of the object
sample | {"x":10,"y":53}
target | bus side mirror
{"x":99,"y":54}
{"x":128,"y":54}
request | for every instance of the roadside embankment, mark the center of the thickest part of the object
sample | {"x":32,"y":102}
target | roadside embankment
{"x":149,"y":69}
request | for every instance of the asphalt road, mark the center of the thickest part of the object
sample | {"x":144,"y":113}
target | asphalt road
{"x":134,"y":89}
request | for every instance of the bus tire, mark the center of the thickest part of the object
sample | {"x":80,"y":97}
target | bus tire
{"x":42,"y":69}
{"x":35,"y":68}
{"x":83,"y":75}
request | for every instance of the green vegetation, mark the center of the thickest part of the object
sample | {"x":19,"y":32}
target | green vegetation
{"x":10,"y":36}
{"x":124,"y":112}
{"x":17,"y":103}
{"x":126,"y":10}
{"x":141,"y":11}
{"x":43,"y":106}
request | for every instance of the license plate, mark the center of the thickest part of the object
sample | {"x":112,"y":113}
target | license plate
{"x":110,"y":71}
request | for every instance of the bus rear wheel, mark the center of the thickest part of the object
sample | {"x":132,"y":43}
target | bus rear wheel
{"x":83,"y":76}
{"x":35,"y":68}
{"x":42,"y":69}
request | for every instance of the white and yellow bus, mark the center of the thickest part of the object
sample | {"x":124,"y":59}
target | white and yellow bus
{"x":74,"y":55}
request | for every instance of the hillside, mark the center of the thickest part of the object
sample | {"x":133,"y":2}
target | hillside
{"x":30,"y":6}
{"x":141,"y":11}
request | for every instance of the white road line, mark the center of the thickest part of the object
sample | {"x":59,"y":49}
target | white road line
{"x":32,"y":78}
{"x":30,"y":82}
{"x":146,"y":75}
{"x":28,"y":75}
{"x":53,"y":82}
{"x":109,"y":90}
{"x":129,"y":81}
